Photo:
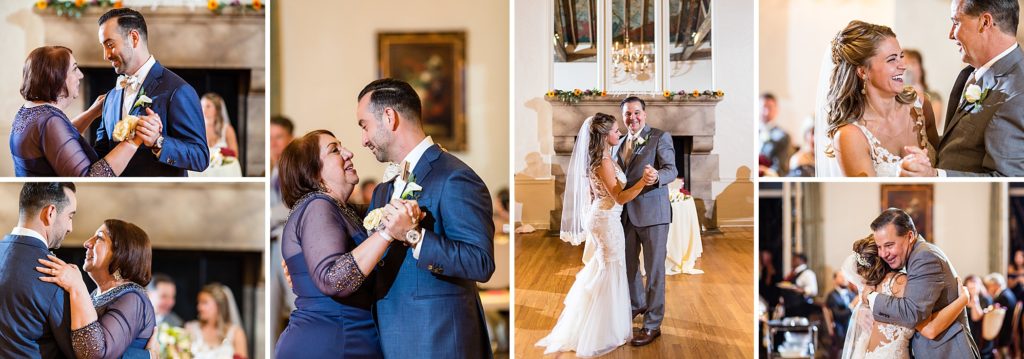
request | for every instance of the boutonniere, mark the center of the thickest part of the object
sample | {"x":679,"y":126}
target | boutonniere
{"x":640,"y":141}
{"x":125,"y":129}
{"x":974,"y":95}
{"x":410,"y":191}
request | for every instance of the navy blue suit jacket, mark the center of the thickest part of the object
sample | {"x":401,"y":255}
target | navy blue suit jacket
{"x":430,"y":307}
{"x":35,"y":317}
{"x":184,"y":129}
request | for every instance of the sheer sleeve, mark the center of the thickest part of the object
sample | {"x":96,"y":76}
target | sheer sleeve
{"x":126,"y":319}
{"x":325,"y":246}
{"x":66,"y":154}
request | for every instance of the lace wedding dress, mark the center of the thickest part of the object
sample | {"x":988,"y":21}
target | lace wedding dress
{"x":884,"y":162}
{"x":893,"y":341}
{"x":596,"y":317}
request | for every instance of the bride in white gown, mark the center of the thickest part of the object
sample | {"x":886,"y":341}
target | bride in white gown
{"x":869,"y":339}
{"x":596,"y":317}
{"x":870,"y":115}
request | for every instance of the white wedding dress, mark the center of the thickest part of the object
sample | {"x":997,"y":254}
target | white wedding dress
{"x":894,"y":340}
{"x":884,"y":162}
{"x":596,"y":317}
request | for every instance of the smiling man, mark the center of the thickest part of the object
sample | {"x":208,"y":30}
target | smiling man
{"x":984,"y":125}
{"x":931,"y":286}
{"x":173,"y":129}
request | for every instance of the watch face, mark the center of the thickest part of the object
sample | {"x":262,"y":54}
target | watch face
{"x":412,"y":236}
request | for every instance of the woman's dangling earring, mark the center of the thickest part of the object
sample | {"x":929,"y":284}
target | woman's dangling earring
{"x":117,"y":275}
{"x":864,"y":87}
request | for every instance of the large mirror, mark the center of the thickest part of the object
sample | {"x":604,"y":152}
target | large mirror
{"x":575,"y":44}
{"x":632,"y":49}
{"x":632,"y":46}
{"x":689,"y":45}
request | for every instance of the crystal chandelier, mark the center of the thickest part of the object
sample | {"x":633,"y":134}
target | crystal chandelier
{"x":631,"y":58}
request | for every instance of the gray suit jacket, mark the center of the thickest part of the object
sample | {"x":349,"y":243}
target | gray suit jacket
{"x":931,"y":286}
{"x":651,"y":206}
{"x":988,"y":141}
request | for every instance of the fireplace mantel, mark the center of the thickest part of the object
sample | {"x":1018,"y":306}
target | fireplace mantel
{"x":182,"y":38}
{"x":693,"y":118}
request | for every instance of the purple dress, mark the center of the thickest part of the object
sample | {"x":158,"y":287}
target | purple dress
{"x":44,"y":143}
{"x":125,"y":322}
{"x":332,"y":316}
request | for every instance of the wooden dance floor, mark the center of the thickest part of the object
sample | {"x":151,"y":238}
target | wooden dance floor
{"x":707,"y":316}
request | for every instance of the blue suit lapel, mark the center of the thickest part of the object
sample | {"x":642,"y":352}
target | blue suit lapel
{"x":148,"y":86}
{"x":425,"y":165}
{"x":112,"y":110}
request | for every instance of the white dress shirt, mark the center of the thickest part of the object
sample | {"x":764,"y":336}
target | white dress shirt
{"x":128,"y":97}
{"x":398,"y":185}
{"x":22,"y":231}
{"x":807,"y":281}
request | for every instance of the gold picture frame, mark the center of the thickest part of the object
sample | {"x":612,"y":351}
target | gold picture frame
{"x":918,"y":200}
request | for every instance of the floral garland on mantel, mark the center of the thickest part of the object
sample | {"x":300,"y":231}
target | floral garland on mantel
{"x":575,"y":95}
{"x":75,"y":8}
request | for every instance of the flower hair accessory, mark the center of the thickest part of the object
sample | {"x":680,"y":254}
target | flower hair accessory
{"x":862,"y":261}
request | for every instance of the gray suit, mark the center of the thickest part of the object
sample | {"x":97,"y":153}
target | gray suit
{"x":987,"y":142}
{"x":645,"y":221}
{"x":931,"y":286}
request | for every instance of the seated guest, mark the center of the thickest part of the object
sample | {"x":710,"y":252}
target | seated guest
{"x":1003,"y":296}
{"x":980,"y":299}
{"x":799,"y":299}
{"x":161,"y":291}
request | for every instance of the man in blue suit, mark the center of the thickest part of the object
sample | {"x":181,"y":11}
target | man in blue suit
{"x":173,"y":130}
{"x":35,"y":321}
{"x":428,"y":305}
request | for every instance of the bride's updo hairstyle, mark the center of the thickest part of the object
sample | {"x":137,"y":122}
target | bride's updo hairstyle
{"x":600,"y":125}
{"x":852,"y":48}
{"x":869,"y":265}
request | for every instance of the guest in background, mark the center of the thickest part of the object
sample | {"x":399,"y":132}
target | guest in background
{"x":1015,"y":274}
{"x":219,"y":132}
{"x":282,"y":300}
{"x":161,"y":291}
{"x":775,"y":141}
{"x":770,"y":277}
{"x":802,"y":162}
{"x":501,"y":215}
{"x":915,"y":77}
{"x":799,"y":298}
{"x":1003,"y":296}
{"x":218,"y":332}
{"x":838,"y":303}
{"x":980,"y":299}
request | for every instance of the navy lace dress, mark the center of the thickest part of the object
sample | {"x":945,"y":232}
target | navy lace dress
{"x":332,"y":317}
{"x":44,"y":143}
{"x":125,"y":323}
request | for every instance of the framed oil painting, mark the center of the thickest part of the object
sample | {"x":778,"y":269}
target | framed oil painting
{"x":434,"y":64}
{"x":917,"y":200}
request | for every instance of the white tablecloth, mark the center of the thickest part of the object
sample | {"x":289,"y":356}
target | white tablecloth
{"x":684,"y":243}
{"x":233,"y":169}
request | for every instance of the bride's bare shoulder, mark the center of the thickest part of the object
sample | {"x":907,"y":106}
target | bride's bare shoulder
{"x":849,"y":137}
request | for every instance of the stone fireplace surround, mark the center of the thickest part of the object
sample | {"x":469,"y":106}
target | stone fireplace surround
{"x":183,"y":38}
{"x":680,"y":118}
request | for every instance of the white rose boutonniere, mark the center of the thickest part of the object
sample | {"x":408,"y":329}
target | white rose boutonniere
{"x":974,"y":95}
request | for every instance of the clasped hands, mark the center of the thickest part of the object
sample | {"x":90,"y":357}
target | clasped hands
{"x":149,"y":128}
{"x":916,"y":163}
{"x":400,"y":217}
{"x":650,"y":177}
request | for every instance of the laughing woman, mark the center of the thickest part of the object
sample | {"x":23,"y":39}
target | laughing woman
{"x":117,"y":320}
